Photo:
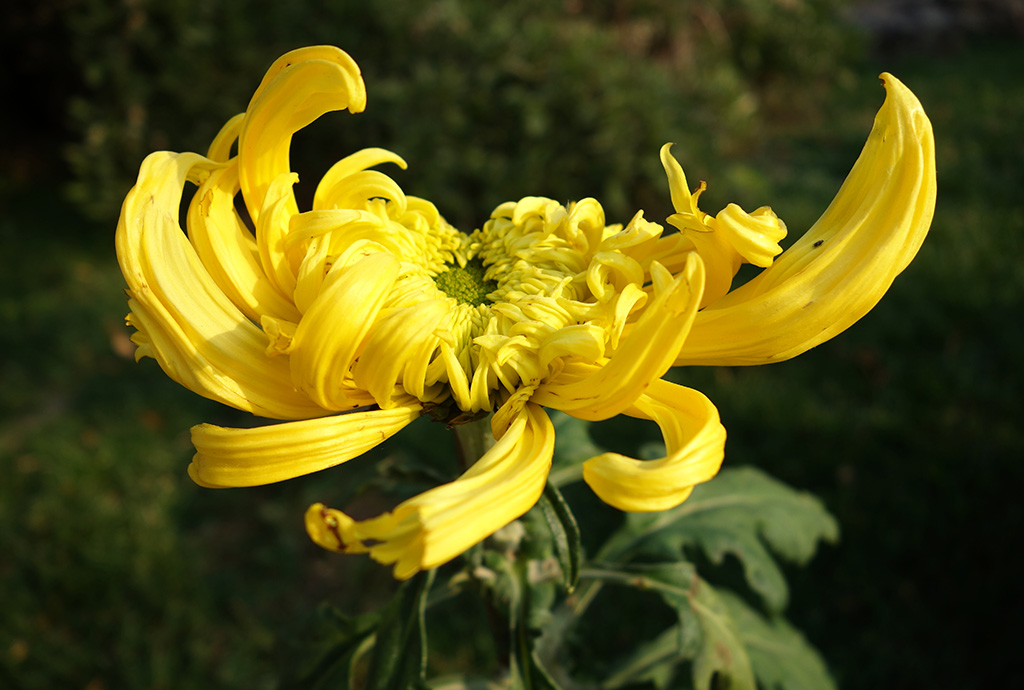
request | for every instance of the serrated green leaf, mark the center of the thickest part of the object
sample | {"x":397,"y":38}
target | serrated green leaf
{"x":780,"y":655}
{"x":718,"y":650}
{"x":738,"y":513}
{"x":399,"y":658}
{"x":722,"y":652}
{"x":653,"y":662}
{"x":706,"y":633}
{"x":565,"y":533}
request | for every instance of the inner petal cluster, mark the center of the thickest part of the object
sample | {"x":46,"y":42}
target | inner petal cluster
{"x":474,"y":318}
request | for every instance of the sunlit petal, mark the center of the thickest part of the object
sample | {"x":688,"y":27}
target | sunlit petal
{"x":272,"y":231}
{"x":199,"y":337}
{"x":333,"y":328}
{"x":220,"y":148}
{"x":694,"y":443}
{"x":726,"y":241}
{"x":839,"y":270}
{"x":644,"y":355}
{"x":409,"y":330}
{"x":297,"y":89}
{"x":436,"y":526}
{"x":334,"y":180}
{"x":267,"y":454}
{"x":229,"y":252}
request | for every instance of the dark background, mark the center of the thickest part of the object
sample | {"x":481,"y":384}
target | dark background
{"x":117,"y":572}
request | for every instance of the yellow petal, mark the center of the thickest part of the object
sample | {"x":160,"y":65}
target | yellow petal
{"x":754,"y":236}
{"x":228,"y":249}
{"x":332,"y":330}
{"x":272,"y":232}
{"x":297,"y":89}
{"x":694,"y":442}
{"x":334,"y":180}
{"x":344,"y":227}
{"x":726,"y":241}
{"x":841,"y":268}
{"x":431,"y":529}
{"x":268,"y":454}
{"x":645,"y":354}
{"x":400,"y":350}
{"x":198,"y":336}
{"x":585,"y":342}
{"x":220,"y":148}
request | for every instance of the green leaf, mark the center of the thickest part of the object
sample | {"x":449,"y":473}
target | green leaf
{"x":565,"y":534}
{"x":722,"y":659}
{"x":706,"y":633}
{"x":652,"y":661}
{"x":323,"y":654}
{"x":740,"y":512}
{"x":399,"y":658}
{"x":527,"y":604}
{"x":461,"y":682}
{"x":781,"y":657}
{"x":732,"y":640}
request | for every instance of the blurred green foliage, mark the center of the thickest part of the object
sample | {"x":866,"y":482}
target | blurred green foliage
{"x":562,"y":99}
{"x":116,"y":571}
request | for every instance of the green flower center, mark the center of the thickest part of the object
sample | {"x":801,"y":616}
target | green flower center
{"x":467,"y":285}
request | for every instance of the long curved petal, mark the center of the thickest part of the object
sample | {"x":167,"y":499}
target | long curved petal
{"x":841,"y":268}
{"x":695,"y":445}
{"x":431,"y":529}
{"x":411,"y":331}
{"x":334,"y":180}
{"x":229,"y":250}
{"x":185,"y":321}
{"x":644,"y":356}
{"x":264,"y":455}
{"x":332,"y":330}
{"x":298,"y":88}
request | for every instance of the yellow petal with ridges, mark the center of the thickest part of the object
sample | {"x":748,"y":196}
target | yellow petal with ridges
{"x":267,"y":454}
{"x":754,"y":236}
{"x":694,"y":443}
{"x":359,"y":188}
{"x":841,"y":268}
{"x":334,"y":181}
{"x":272,"y":231}
{"x":229,"y":251}
{"x":198,"y":336}
{"x":344,"y":227}
{"x":726,"y":241}
{"x":220,"y":147}
{"x":431,"y":529}
{"x":645,"y":354}
{"x":297,"y":89}
{"x":332,"y":330}
{"x":409,"y":331}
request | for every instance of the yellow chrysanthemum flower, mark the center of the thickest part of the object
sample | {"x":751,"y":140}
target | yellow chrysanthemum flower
{"x":354,"y":316}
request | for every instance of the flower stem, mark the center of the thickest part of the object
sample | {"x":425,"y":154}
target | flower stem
{"x":472,"y":440}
